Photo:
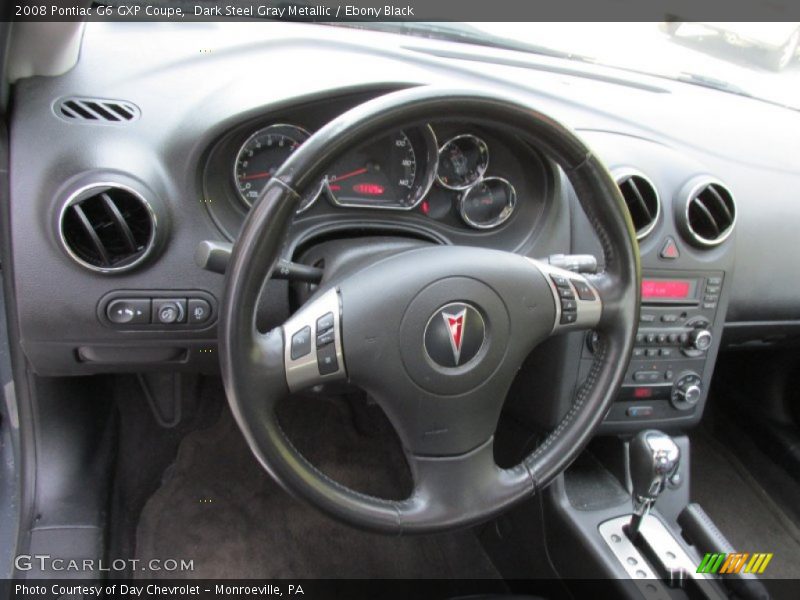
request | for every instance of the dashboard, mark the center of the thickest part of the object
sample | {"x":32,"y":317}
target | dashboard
{"x":444,"y":178}
{"x":109,"y":209}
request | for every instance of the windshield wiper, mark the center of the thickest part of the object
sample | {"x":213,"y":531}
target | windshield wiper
{"x":712,"y":82}
{"x":462,"y":33}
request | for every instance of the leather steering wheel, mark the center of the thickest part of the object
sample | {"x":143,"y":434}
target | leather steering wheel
{"x":435,"y":335}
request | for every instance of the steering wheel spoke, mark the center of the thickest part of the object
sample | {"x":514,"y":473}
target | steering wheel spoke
{"x":577,"y":299}
{"x":313,"y":343}
{"x":470,"y":484}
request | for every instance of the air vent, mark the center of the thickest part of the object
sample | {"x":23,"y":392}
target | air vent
{"x":710,"y":214}
{"x":108,"y":228}
{"x":641,"y":198}
{"x":94,"y":110}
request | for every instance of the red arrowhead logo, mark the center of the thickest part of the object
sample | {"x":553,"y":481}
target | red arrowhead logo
{"x":455,"y":325}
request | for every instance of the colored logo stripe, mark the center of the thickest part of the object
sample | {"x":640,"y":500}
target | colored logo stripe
{"x":734,"y":562}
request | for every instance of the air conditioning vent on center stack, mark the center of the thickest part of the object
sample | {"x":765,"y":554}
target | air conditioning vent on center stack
{"x":710,"y":214}
{"x":641,"y":198}
{"x":108,"y":228}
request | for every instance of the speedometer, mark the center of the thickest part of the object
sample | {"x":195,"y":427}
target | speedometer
{"x":395,"y":171}
{"x":261,"y":156}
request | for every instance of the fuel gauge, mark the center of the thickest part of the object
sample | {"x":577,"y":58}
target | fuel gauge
{"x":488,"y":203}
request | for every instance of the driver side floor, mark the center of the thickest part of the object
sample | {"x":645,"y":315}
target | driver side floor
{"x":218,"y":507}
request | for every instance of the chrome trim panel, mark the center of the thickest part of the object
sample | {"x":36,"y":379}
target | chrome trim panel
{"x":303,"y":372}
{"x":76,"y":196}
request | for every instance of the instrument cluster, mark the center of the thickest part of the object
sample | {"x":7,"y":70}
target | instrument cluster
{"x":408,"y":170}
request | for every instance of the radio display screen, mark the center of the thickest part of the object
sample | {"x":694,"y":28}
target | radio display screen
{"x":668,"y":289}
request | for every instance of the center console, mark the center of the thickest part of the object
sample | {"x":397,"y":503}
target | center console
{"x":680,"y":325}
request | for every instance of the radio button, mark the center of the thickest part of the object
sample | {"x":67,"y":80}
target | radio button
{"x":638,"y":352}
{"x":568,"y":317}
{"x":665,"y":352}
{"x":673,"y":338}
{"x":584,"y":290}
{"x":714,"y":281}
{"x":566,"y":293}
{"x":647,"y":318}
{"x":712,"y":289}
{"x":646,"y":376}
{"x":651,"y":352}
{"x":651,"y":338}
{"x":639,"y":411}
{"x":669,"y":318}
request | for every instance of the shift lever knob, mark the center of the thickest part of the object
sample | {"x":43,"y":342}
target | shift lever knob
{"x":654,"y":457}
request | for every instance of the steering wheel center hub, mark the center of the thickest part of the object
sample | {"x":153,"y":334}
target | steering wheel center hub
{"x":454,"y":335}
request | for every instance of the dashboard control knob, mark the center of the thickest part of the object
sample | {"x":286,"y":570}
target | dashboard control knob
{"x":700,"y":339}
{"x":691,"y":394}
{"x":168,"y":312}
{"x":687,"y":391}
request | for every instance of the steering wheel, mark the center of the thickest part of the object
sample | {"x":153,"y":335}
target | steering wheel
{"x":435,"y":335}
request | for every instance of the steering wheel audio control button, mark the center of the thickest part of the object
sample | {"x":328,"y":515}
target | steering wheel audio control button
{"x":584,"y":291}
{"x":324,"y":323}
{"x":323,"y":339}
{"x":568,"y":317}
{"x":301,"y":343}
{"x":326,"y":360}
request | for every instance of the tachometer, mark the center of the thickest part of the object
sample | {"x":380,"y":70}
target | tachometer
{"x":261,"y":156}
{"x":392,"y":172}
{"x":462,"y":162}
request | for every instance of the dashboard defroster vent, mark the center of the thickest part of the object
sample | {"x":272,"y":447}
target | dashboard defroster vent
{"x":641,"y":198}
{"x":95,"y":110}
{"x":710,"y":214}
{"x":108,"y":228}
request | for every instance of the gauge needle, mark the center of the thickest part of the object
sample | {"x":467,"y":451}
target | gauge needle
{"x":256,"y":176}
{"x":348,"y":175}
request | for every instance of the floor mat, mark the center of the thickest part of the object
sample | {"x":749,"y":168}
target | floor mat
{"x":741,"y":508}
{"x":217,"y":507}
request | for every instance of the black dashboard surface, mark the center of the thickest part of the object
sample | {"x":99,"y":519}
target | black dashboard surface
{"x":196,"y":109}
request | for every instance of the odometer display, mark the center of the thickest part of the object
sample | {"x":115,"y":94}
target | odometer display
{"x":261,"y":156}
{"x":380,"y":174}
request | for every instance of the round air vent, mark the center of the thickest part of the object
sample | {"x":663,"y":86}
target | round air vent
{"x":710,"y":214}
{"x":108,"y":227}
{"x":641,"y":198}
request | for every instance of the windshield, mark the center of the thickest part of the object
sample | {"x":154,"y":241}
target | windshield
{"x":753,"y":59}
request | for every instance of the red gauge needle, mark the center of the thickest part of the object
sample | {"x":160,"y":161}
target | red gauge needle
{"x":348,"y":175}
{"x":256,"y":176}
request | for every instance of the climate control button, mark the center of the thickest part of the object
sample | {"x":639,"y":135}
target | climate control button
{"x":687,"y":391}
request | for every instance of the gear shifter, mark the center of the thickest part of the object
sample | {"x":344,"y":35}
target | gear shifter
{"x":654,"y":457}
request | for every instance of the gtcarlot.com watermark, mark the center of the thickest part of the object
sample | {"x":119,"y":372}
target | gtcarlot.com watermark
{"x":45,"y":562}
